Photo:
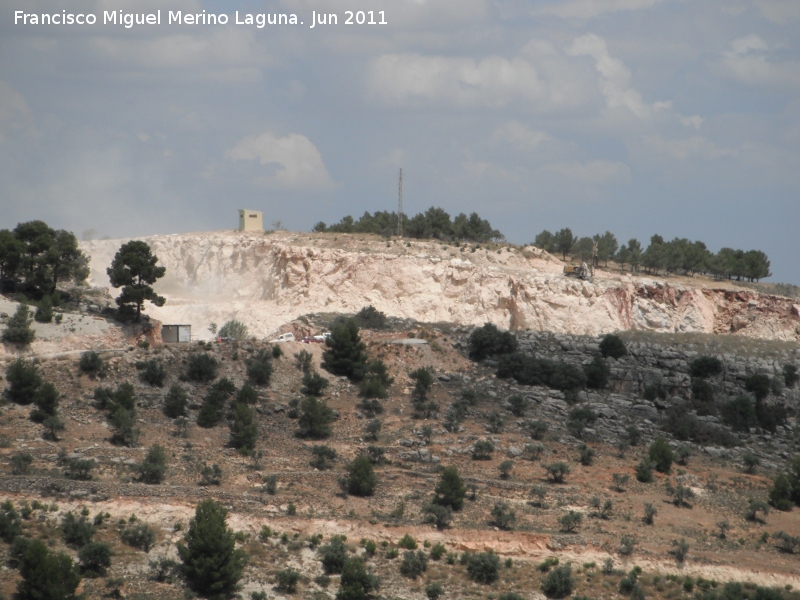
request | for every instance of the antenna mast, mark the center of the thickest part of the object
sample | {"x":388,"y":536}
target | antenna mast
{"x":400,"y":204}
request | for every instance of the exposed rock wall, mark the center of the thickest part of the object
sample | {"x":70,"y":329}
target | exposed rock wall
{"x":266,"y":281}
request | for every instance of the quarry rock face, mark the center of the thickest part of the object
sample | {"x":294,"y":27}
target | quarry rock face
{"x":268,"y":280}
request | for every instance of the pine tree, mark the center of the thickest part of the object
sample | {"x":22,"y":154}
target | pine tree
{"x":18,"y":329}
{"x":211,"y":563}
{"x":134,"y":270}
{"x":346,"y":354}
{"x":451,"y":491}
{"x":46,"y":574}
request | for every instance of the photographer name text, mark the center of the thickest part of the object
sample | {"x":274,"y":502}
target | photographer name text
{"x":178,"y":17}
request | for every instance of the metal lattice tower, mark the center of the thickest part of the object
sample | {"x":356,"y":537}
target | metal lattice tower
{"x":400,"y":204}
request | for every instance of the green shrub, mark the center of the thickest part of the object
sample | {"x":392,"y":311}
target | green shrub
{"x":139,"y":535}
{"x":95,"y":559}
{"x":407,"y":542}
{"x":346,"y":353}
{"x":202,"y":367}
{"x":18,"y":328}
{"x":77,"y":531}
{"x":505,"y":468}
{"x":423,"y":380}
{"x":518,"y":404}
{"x":414,"y":564}
{"x":154,"y":467}
{"x":46,"y":400}
{"x":790,"y":375}
{"x":46,"y":574}
{"x":571,"y":521}
{"x":612,"y":346}
{"x":580,"y":418}
{"x":91,"y":363}
{"x":781,"y":493}
{"x":650,"y":511}
{"x":536,"y":429}
{"x":703,"y":397}
{"x":304,"y":360}
{"x":370,"y":317}
{"x":361,"y":479}
{"x":758,"y":385}
{"x":287,"y":580}
{"x":679,"y":550}
{"x":259,"y":368}
{"x":483,"y":567}
{"x":333,"y":555}
{"x":22,"y":381}
{"x":490,"y":341}
{"x":211,"y":475}
{"x":586,"y":457}
{"x":661,"y":454}
{"x":247,"y":394}
{"x":243,"y":427}
{"x":315,"y":419}
{"x":356,"y":583}
{"x":529,"y":370}
{"x":21,"y":462}
{"x":10,"y":522}
{"x":434,"y":590}
{"x":559,"y":582}
{"x":503,"y":517}
{"x":277,"y":351}
{"x":372,"y":429}
{"x":153,"y":372}
{"x":597,"y":373}
{"x":175,"y":402}
{"x":557,"y":471}
{"x":80,"y":469}
{"x":314,"y":384}
{"x":323,"y":457}
{"x":437,"y":551}
{"x":44,"y":312}
{"x":482,"y":450}
{"x":644,"y":471}
{"x":705,"y":366}
{"x":235,"y":330}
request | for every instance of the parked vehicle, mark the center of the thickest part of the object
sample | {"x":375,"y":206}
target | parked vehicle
{"x":284,"y":337}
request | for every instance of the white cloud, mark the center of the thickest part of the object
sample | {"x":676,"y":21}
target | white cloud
{"x":293,"y":161}
{"x":539,"y":79}
{"x":615,"y":81}
{"x":595,"y":172}
{"x":779,"y":11}
{"x":520,"y":135}
{"x":587,"y":9}
{"x":748,"y":61}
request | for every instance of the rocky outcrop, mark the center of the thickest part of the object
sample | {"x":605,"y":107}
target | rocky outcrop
{"x":266,"y":281}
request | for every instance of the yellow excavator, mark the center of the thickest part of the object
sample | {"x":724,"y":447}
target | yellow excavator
{"x":582,"y":270}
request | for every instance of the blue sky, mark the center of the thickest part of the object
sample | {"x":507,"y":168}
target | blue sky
{"x":635,"y":116}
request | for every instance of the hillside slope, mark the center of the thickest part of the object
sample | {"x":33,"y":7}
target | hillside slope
{"x":267,"y":280}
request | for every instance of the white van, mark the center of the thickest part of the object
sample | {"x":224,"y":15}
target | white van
{"x":284,"y":337}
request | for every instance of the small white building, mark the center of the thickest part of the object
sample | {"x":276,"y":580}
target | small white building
{"x":251,"y":220}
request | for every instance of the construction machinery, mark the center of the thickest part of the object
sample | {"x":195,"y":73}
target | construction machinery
{"x":581,"y":271}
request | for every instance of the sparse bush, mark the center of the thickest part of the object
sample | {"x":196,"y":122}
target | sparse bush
{"x":547,"y":564}
{"x":703,"y":397}
{"x":10,"y":522}
{"x":259,"y":368}
{"x":211,"y":475}
{"x":356,"y":583}
{"x":538,"y":493}
{"x":529,"y":370}
{"x":235,"y":330}
{"x":277,"y":351}
{"x":483,"y":567}
{"x":580,"y":418}
{"x":323,"y":457}
{"x":626,"y":545}
{"x":315,"y":419}
{"x":536,"y":429}
{"x":91,"y":363}
{"x":434,"y":590}
{"x":781,"y":493}
{"x":755,"y":507}
{"x":620,"y":479}
{"x":372,"y":429}
{"x":705,"y":366}
{"x":423,"y":380}
{"x":739,"y":414}
{"x":304,"y":361}
{"x":482,"y":450}
{"x":163,"y":569}
{"x":750,"y":462}
{"x":587,"y":455}
{"x":414,"y":564}
{"x":559,"y":582}
{"x":46,"y":399}
{"x":682,"y":455}
{"x":661,"y":455}
{"x":612,"y":346}
{"x":361,"y":479}
{"x":287,"y":580}
{"x":790,"y":375}
{"x":681,"y":495}
{"x":494,"y":423}
{"x":407,"y":542}
{"x":139,"y":535}
{"x":532,"y":451}
{"x":786,"y":543}
{"x":557,"y":471}
{"x":21,"y":462}
{"x":650,"y":511}
{"x":202,"y":367}
{"x":758,"y":385}
{"x":95,"y":559}
{"x":152,"y":372}
{"x":271,"y":485}
{"x":489,"y":341}
{"x":154,"y":467}
{"x":679,"y":550}
{"x":571,"y":521}
{"x":437,"y":551}
{"x":503,"y":517}
{"x":247,"y":394}
{"x":52,"y":426}
{"x":505,"y":468}
{"x":175,"y":402}
{"x":724,"y":527}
